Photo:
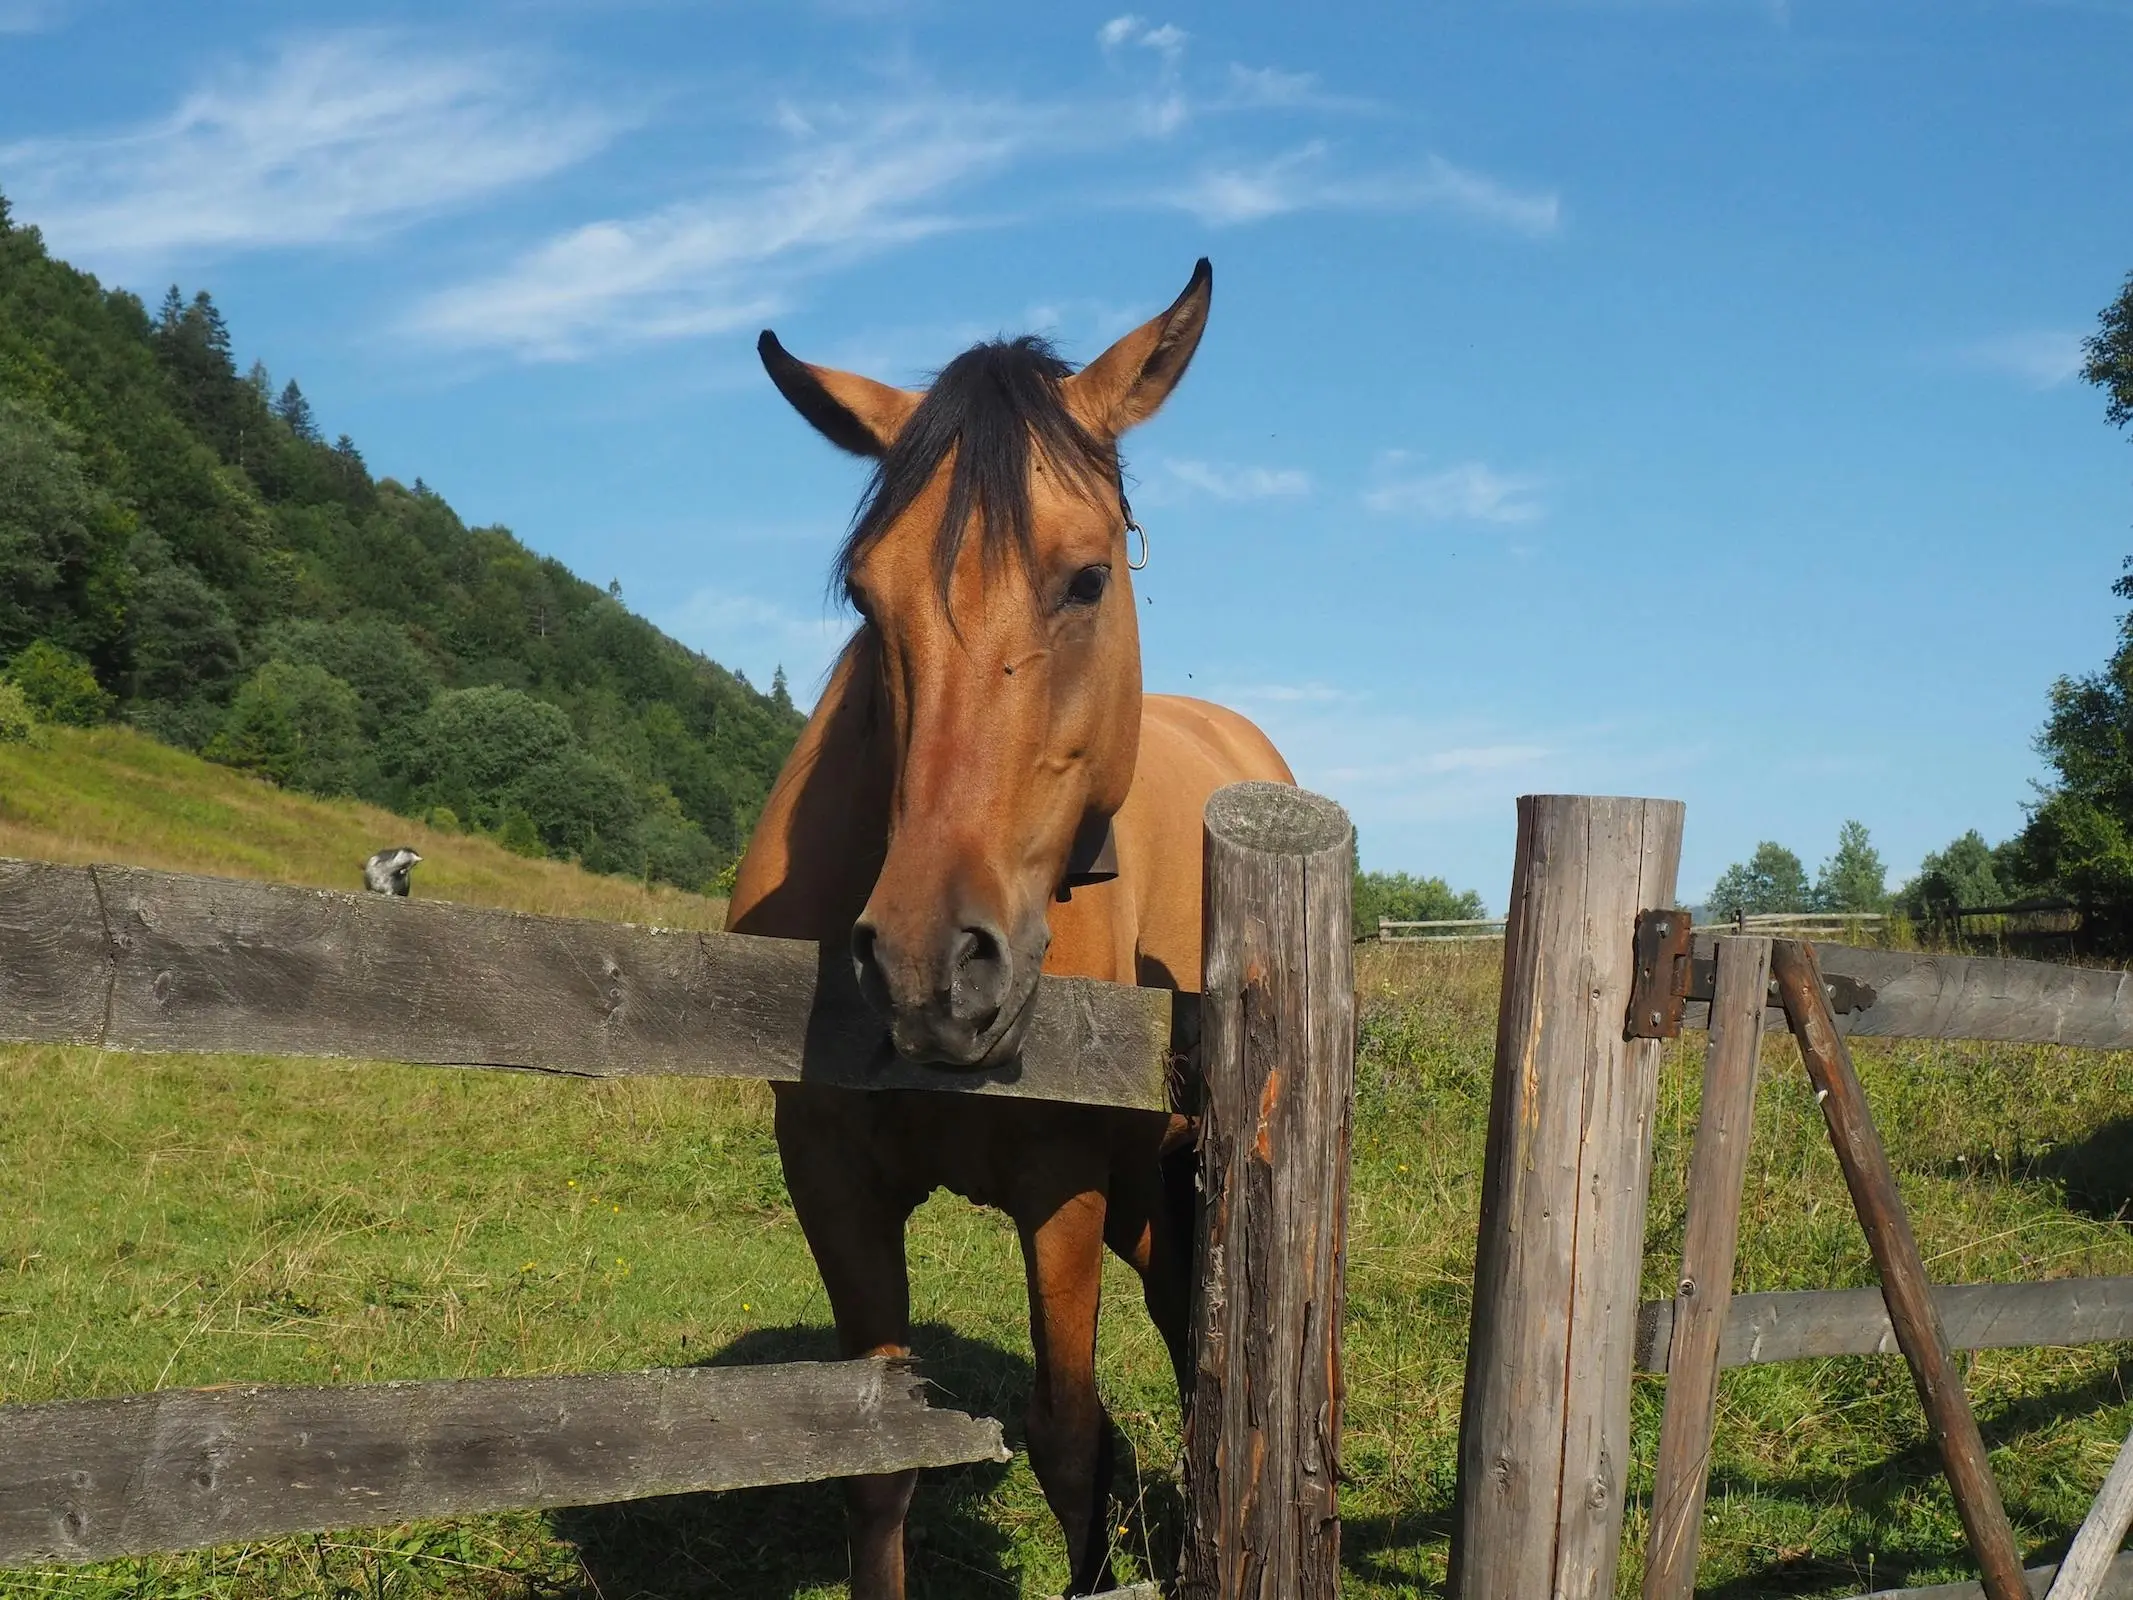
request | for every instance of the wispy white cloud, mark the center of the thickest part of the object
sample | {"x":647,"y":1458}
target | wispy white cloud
{"x":1305,"y":179}
{"x":726,"y":260}
{"x":336,"y":137}
{"x":1226,"y":482}
{"x":844,"y":182}
{"x":2042,"y":358}
{"x":1471,"y":491}
{"x":1129,"y":31}
{"x":758,"y":636}
{"x":1278,"y":694}
{"x":30,"y":16}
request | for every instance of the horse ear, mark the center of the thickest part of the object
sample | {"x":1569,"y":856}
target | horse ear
{"x":853,"y":413}
{"x":1129,"y":382}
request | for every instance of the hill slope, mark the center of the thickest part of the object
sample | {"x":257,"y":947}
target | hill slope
{"x":111,"y":794}
{"x":238,"y":586}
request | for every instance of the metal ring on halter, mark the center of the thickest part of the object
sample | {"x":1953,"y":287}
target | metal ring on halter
{"x":1134,"y":527}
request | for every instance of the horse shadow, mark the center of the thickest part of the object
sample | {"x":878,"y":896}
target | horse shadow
{"x":1891,"y":1557}
{"x":2095,"y":1171}
{"x":775,"y":1543}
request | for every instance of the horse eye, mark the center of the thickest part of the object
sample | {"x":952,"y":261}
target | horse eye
{"x":1088,"y":586}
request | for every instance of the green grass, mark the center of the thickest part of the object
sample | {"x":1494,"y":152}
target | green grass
{"x":174,"y":1220}
{"x":110,"y":794}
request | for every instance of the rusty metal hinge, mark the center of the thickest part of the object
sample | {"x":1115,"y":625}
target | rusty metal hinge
{"x":1846,"y":995}
{"x":1660,"y":988}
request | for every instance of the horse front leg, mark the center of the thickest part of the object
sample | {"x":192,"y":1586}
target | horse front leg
{"x":854,"y":1223}
{"x":1069,"y":1434}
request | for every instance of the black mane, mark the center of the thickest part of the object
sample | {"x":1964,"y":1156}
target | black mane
{"x":987,"y":405}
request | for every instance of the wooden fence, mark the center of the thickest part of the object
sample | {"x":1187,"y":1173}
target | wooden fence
{"x":124,"y":959}
{"x":128,"y":960}
{"x":1557,"y":1333}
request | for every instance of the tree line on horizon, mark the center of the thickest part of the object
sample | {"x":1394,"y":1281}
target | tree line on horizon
{"x":183,"y":551}
{"x":2076,"y":844}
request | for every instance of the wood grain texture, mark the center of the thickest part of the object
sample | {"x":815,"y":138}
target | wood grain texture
{"x":2087,"y":1566}
{"x":1717,"y":1166}
{"x":128,"y":959}
{"x":85,"y":1480}
{"x":1887,"y":1225}
{"x":1969,"y":997}
{"x":1813,"y":1324}
{"x":2118,"y":1585}
{"x":1544,"y":1428}
{"x":1262,"y":1442}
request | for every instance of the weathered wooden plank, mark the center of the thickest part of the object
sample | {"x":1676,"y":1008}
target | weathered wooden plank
{"x":2117,"y":1585}
{"x":1887,"y":1225}
{"x":1969,"y":997}
{"x":84,"y":1480}
{"x":1262,"y":1444}
{"x":2087,"y":1566}
{"x":1544,"y":1430}
{"x":1711,"y":1233}
{"x":1855,"y":1322}
{"x":128,"y":959}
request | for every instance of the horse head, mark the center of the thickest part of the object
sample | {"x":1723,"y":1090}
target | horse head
{"x":988,"y":564}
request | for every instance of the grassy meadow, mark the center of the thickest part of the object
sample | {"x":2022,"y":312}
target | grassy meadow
{"x":174,"y":1220}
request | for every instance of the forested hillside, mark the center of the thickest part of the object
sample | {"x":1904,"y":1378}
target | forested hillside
{"x":181,"y":549}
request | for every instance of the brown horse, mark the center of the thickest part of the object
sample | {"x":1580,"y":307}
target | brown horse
{"x":980,"y":733}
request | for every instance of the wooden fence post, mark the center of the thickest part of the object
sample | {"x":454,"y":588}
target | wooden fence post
{"x":1262,"y":1438}
{"x":1711,"y":1232}
{"x":1544,"y":1427}
{"x":1904,"y":1285}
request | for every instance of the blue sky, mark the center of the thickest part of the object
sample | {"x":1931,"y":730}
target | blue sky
{"x":1670,"y":399}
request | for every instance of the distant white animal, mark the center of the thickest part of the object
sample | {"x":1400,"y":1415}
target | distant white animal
{"x":389,"y":871}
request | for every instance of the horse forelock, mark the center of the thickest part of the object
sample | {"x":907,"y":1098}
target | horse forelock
{"x":988,"y":408}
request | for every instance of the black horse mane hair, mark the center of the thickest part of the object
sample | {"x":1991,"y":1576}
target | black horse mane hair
{"x":988,"y":406}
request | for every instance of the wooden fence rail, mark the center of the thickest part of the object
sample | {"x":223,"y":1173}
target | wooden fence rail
{"x":1901,"y":995}
{"x":82,"y":1480}
{"x":127,"y":959}
{"x":1810,"y":1324}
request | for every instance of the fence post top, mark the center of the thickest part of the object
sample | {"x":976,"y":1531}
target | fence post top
{"x":1277,"y":819}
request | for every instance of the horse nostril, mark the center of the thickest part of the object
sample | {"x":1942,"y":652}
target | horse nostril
{"x":873,"y":987}
{"x":979,"y":971}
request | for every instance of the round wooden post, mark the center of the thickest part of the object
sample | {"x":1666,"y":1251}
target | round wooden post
{"x":1544,"y":1429}
{"x":1262,"y":1438}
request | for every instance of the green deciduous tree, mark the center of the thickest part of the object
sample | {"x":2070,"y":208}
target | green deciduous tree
{"x":63,"y":569}
{"x":2108,"y":354}
{"x":2079,"y":838}
{"x":1853,"y":878}
{"x":296,"y":723}
{"x":59,"y":685}
{"x":1963,"y":875}
{"x":1401,"y":897}
{"x":1772,"y":879}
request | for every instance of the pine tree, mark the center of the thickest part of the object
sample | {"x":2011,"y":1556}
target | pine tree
{"x":262,"y":385}
{"x":345,"y":448}
{"x":295,"y":410}
{"x":780,"y":695}
{"x":7,"y":217}
{"x":173,"y":311}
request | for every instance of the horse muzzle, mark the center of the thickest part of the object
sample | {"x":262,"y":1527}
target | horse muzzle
{"x":961,"y":999}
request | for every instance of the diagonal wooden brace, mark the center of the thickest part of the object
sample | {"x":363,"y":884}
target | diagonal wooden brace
{"x":1904,"y":1286}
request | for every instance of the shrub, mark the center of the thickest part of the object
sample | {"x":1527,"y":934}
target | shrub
{"x":18,"y":724}
{"x":59,"y":685}
{"x":295,"y":723}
